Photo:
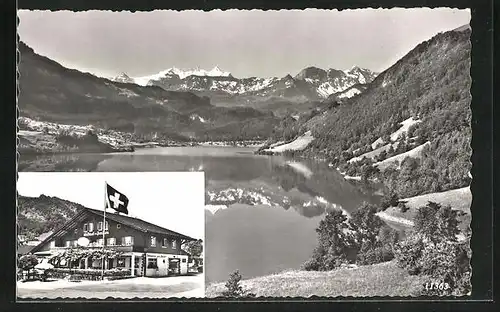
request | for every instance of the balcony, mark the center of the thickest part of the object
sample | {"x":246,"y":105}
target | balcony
{"x":95,"y":233}
{"x":98,"y":247}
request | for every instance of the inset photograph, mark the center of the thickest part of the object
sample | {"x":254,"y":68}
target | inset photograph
{"x":120,"y":235}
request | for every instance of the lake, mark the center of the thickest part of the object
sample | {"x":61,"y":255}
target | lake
{"x":263,"y":210}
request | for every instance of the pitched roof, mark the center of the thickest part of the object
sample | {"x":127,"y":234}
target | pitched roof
{"x":135,"y":223}
{"x":24,"y":249}
{"x":139,"y":224}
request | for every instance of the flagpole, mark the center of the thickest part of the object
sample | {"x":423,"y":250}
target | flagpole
{"x":103,"y":227}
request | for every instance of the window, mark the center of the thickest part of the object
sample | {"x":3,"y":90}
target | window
{"x":174,"y":244}
{"x":120,"y":263}
{"x":127,"y":241}
{"x":86,"y":227}
{"x":75,"y":243}
{"x":165,"y":242}
{"x":100,"y":242}
{"x":91,"y":227}
{"x":118,"y":226}
{"x":111,"y":241}
{"x":153,"y":241}
{"x":99,"y":226}
{"x":152,"y":263}
{"x":68,"y":243}
{"x":183,"y":259}
{"x":106,"y":226}
{"x":52,"y":244}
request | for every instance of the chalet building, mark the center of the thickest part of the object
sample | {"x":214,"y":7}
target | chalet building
{"x":145,"y":249}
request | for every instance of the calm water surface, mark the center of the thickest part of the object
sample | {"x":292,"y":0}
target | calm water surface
{"x":270,"y":228}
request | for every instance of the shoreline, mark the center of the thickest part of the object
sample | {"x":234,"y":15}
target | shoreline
{"x":134,"y":146}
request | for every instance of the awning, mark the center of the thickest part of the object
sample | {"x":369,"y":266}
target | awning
{"x":46,"y":253}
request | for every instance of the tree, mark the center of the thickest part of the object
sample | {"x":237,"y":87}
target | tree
{"x":194,"y":248}
{"x":382,"y":155}
{"x":403,"y":207}
{"x":27,"y":263}
{"x":233,"y":287}
{"x":437,"y":222}
{"x":386,"y":138}
{"x":368,"y":224}
{"x":434,"y":249}
{"x":337,"y":242}
{"x":390,"y":200}
{"x":388,"y":236}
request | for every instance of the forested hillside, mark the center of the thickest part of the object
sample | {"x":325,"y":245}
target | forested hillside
{"x":38,"y":215}
{"x":431,"y":84}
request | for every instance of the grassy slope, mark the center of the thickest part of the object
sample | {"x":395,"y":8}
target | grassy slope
{"x":373,"y":153}
{"x":383,"y":279}
{"x":298,"y":144}
{"x":414,"y":153}
{"x":459,"y":199}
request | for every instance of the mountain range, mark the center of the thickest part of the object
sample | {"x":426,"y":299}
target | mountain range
{"x":50,"y":92}
{"x":310,"y":84}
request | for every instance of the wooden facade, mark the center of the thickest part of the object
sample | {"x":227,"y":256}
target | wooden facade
{"x":147,"y":249}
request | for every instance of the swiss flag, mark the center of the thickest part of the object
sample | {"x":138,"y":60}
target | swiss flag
{"x":116,"y":200}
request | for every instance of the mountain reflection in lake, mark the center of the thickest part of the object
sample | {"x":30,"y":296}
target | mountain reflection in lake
{"x":272,"y":204}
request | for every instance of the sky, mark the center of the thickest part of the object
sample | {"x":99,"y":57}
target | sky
{"x":245,"y":43}
{"x":173,"y":200}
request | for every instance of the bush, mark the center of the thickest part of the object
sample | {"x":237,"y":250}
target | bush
{"x":387,"y":236}
{"x":447,"y":261}
{"x":403,"y":207}
{"x":390,"y":200}
{"x":312,"y":264}
{"x":91,"y":272}
{"x":408,"y":253}
{"x":27,"y":262}
{"x":375,"y":255}
{"x":434,"y":249}
{"x":437,"y":222}
{"x":233,"y":287}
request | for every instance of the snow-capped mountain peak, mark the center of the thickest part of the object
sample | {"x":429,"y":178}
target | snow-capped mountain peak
{"x":182,"y":73}
{"x":217,"y":72}
{"x":123,"y":77}
{"x":312,"y":82}
{"x":363,"y":75}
